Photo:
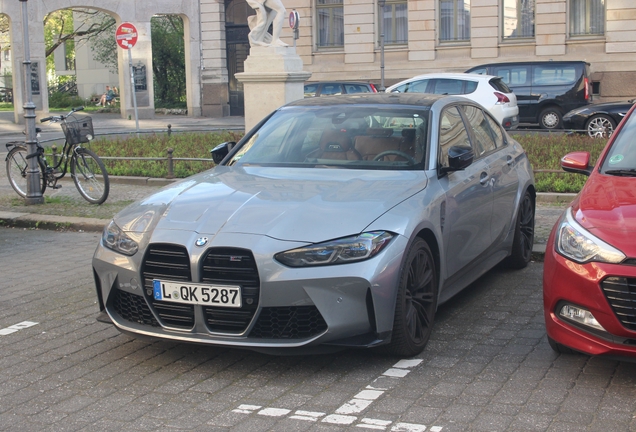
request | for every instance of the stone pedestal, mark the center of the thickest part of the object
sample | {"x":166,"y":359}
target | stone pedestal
{"x":273,"y":77}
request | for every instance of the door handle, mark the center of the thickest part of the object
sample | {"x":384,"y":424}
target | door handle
{"x":509,"y":160}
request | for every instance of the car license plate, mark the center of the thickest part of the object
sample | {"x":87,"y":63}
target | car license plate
{"x":197,"y":294}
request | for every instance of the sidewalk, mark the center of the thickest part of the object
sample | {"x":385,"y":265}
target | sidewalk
{"x":104,"y":123}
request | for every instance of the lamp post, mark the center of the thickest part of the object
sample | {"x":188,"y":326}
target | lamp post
{"x":34,"y":193}
{"x":381,"y":4}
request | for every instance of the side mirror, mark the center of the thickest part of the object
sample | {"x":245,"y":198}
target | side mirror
{"x":577,"y":162}
{"x":219,"y":152}
{"x":459,"y":157}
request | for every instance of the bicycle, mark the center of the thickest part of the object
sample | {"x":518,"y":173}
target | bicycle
{"x":87,"y":170}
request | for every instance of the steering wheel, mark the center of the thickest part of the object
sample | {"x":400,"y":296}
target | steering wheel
{"x":381,"y":156}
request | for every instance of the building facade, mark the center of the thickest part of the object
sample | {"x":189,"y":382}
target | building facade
{"x":340,"y":39}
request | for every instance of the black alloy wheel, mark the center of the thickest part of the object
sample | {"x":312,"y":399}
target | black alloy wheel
{"x":600,"y":126}
{"x":524,"y":234}
{"x":416,"y":302}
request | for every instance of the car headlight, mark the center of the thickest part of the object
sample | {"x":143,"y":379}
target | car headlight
{"x":340,"y":251}
{"x":579,"y":245}
{"x":114,"y":238}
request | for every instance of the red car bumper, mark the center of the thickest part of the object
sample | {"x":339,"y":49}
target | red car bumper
{"x":581,"y":285}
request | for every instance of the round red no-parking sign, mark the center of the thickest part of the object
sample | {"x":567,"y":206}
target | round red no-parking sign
{"x":126,"y":35}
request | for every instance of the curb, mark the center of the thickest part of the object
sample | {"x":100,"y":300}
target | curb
{"x":52,"y":222}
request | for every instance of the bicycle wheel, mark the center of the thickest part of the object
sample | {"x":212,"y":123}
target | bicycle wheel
{"x":17,"y":170}
{"x":90,"y":176}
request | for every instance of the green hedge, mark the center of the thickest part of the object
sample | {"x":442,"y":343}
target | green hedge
{"x":544,"y":152}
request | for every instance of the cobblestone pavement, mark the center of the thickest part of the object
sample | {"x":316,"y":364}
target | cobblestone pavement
{"x":488,"y":366}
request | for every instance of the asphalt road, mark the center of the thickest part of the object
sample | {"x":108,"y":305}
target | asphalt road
{"x":488,"y":366}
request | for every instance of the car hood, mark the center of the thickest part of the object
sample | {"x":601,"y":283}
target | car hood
{"x":607,"y":208}
{"x":295,"y":204}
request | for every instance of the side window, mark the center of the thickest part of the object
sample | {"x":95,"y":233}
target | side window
{"x":310,"y":90}
{"x":554,"y":74}
{"x":484,"y":136}
{"x":356,"y":88}
{"x":514,"y":76}
{"x":452,"y":132}
{"x":417,"y":87}
{"x":496,"y":131}
{"x":448,"y":86}
{"x":470,"y":86}
{"x":331,"y":89}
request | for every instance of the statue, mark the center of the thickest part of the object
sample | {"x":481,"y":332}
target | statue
{"x":268,"y":12}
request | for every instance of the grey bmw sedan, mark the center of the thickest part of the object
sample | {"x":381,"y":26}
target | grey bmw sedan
{"x":336,"y":222}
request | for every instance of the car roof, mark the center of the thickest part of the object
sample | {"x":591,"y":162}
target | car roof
{"x":337,"y":82}
{"x":418,"y":99}
{"x":531,"y":63}
{"x":455,"y":75}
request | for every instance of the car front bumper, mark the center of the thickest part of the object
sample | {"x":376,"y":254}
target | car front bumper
{"x":590,"y":287}
{"x":341,"y":305}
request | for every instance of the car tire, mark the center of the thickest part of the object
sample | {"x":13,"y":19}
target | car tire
{"x":524,"y":234}
{"x":551,"y":118}
{"x":600,"y":126}
{"x":561,"y":349}
{"x":416,"y":302}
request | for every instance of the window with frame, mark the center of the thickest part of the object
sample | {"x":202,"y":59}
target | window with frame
{"x":587,"y":17}
{"x":454,"y":20}
{"x":518,"y":19}
{"x":395,"y":20}
{"x":330,"y":25}
{"x":452,"y":132}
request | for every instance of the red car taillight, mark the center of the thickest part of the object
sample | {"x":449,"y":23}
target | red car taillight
{"x":501,"y":98}
{"x":373,"y":89}
{"x":587,"y":89}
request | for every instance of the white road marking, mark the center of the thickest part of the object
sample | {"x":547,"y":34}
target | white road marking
{"x":339,"y":419}
{"x":369,"y":394}
{"x":409,"y":427}
{"x":354,"y":406}
{"x":246,"y":409}
{"x":359,"y":403}
{"x":16,"y":327}
{"x":307,"y":415}
{"x":368,"y":423}
{"x":406,"y":364}
{"x":274,"y":412}
{"x":396,"y":373}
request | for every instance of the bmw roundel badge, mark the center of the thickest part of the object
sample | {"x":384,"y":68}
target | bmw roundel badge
{"x":201,"y":241}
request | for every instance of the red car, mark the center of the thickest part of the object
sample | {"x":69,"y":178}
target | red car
{"x":589,"y":277}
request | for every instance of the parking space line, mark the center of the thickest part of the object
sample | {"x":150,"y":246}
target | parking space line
{"x":16,"y":327}
{"x":359,"y":403}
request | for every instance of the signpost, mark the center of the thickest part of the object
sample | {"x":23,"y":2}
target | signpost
{"x":126,"y":37}
{"x":294,"y":22}
{"x":34,"y":193}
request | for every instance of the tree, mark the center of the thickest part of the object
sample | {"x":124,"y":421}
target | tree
{"x":79,"y":25}
{"x":168,"y":60}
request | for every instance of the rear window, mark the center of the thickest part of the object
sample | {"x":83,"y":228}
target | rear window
{"x":499,"y":85}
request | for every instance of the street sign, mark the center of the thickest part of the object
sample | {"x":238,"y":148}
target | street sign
{"x":126,"y":35}
{"x":294,"y":19}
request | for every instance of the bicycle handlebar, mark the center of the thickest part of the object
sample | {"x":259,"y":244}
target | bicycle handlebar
{"x":46,"y":119}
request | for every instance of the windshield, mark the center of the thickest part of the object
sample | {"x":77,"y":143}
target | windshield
{"x":622,"y":155}
{"x":341,"y":136}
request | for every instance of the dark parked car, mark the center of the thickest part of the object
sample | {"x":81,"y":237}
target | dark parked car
{"x":545,"y":90}
{"x":589,"y":273}
{"x":320,"y":229}
{"x":330,"y":88}
{"x":597,"y":120}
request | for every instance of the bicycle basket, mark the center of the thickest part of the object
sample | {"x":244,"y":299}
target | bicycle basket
{"x":79,"y":130}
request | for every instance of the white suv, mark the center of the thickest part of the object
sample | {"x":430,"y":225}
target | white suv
{"x":489,"y":91}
